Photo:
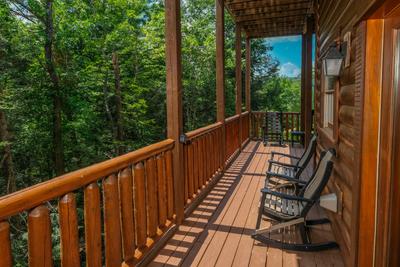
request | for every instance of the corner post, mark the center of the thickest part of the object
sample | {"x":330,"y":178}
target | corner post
{"x":308,"y":120}
{"x":303,"y":74}
{"x":174,"y":98}
{"x":238,"y":48}
{"x":220,"y":72}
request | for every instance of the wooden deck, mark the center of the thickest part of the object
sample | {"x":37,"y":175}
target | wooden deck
{"x":218,"y":232}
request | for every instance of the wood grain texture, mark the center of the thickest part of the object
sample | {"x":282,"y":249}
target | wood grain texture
{"x":125,"y":180}
{"x":69,"y":231}
{"x":140,"y":205}
{"x":33,"y":196}
{"x":5,"y":245}
{"x":39,"y":238}
{"x":92,"y":214}
{"x":162,"y":191}
{"x":112,"y":222}
{"x":151,"y":197}
{"x":370,"y":141}
{"x":170,"y":183}
{"x":173,"y":47}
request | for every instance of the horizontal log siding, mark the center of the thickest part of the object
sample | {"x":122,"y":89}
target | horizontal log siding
{"x":333,"y":16}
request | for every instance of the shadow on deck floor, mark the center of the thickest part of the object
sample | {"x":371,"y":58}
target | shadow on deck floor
{"x":218,"y":231}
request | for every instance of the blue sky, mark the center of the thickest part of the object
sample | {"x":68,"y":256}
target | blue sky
{"x":288,"y":51}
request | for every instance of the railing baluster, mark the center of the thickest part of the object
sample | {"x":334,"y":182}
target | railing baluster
{"x":162,"y":191}
{"x":205,"y":156}
{"x":92,"y":225}
{"x":140,"y":205}
{"x":112,"y":222}
{"x":195,"y":167}
{"x":69,"y":231}
{"x":186,"y":170}
{"x":152,"y":205}
{"x":39,"y":237}
{"x":5,"y":245}
{"x":170,"y":184}
{"x":127,"y":219}
{"x":210,"y":149}
{"x":201,"y":161}
{"x":190,"y":171}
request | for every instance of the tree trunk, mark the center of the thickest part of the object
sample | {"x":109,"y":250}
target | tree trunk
{"x":7,"y":163}
{"x":118,"y":104}
{"x":58,"y":152}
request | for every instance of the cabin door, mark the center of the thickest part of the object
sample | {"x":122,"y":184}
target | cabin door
{"x":394,"y":206}
{"x":388,"y":225}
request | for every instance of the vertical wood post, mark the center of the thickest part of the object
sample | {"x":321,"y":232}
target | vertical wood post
{"x":220,"y":70}
{"x":303,"y":73}
{"x":238,"y":48}
{"x":174,"y":97}
{"x":308,"y":80}
{"x":248,"y":74}
{"x":248,"y":82}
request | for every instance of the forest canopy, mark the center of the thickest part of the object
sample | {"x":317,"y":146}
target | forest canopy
{"x":84,"y":81}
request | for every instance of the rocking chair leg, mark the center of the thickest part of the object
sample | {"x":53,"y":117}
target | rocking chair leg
{"x":318,"y":221}
{"x":260,"y":212}
{"x":305,"y":237}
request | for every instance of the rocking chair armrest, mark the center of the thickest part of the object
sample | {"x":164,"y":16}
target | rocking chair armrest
{"x":285,"y":177}
{"x":284,"y":155}
{"x":283,"y":164}
{"x":285,"y":196}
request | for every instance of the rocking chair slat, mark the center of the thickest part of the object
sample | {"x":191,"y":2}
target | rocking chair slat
{"x":292,"y":208}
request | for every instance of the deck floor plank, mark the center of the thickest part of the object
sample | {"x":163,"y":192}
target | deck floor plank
{"x":218,"y":232}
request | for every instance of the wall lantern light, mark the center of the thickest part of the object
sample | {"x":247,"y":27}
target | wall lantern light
{"x":333,"y":60}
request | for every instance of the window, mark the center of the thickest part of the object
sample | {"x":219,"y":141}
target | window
{"x":329,"y":85}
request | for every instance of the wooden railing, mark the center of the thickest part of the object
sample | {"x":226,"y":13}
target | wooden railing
{"x":290,"y":122}
{"x":245,"y":126}
{"x":203,"y":159}
{"x":232,"y":136}
{"x":127,"y":201}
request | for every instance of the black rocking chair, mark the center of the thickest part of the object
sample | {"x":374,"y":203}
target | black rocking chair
{"x":292,"y":210}
{"x":287,"y":171}
{"x":273,"y":131}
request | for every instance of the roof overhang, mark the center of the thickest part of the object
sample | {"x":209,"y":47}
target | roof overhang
{"x":270,"y":18}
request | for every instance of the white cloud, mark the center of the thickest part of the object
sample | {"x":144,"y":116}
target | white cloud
{"x":289,"y":70}
{"x":284,"y":39}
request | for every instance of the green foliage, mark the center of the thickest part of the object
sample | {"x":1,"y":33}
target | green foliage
{"x":278,"y":94}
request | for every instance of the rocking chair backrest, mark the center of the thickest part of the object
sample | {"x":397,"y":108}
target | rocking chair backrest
{"x":308,"y":153}
{"x":273,"y":122}
{"x":319,"y":179}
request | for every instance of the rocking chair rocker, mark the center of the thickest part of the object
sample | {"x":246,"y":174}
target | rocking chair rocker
{"x":292,"y":209}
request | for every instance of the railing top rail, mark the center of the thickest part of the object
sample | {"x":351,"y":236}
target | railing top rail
{"x":264,"y":112}
{"x":33,"y":196}
{"x":230,"y":119}
{"x":202,"y":131}
{"x":245,"y":113}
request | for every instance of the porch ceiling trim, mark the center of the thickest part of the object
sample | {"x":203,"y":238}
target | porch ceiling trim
{"x":269,"y":18}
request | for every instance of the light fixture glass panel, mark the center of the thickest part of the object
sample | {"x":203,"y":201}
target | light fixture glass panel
{"x":333,"y":66}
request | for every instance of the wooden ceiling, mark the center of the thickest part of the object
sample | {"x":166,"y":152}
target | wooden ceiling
{"x":268,"y":18}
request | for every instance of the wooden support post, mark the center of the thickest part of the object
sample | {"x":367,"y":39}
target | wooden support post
{"x":174,"y":97}
{"x":248,"y":81}
{"x":303,"y":73}
{"x":220,"y":70}
{"x":248,"y":74}
{"x":238,"y":48}
{"x":308,"y":80}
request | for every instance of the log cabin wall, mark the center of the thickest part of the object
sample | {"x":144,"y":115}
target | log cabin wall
{"x":334,"y":19}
